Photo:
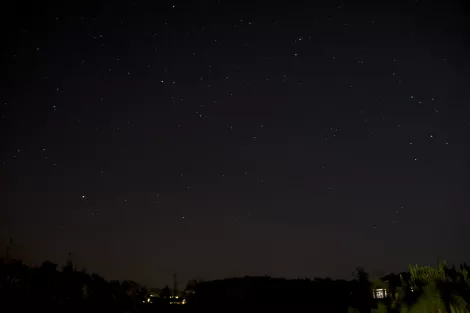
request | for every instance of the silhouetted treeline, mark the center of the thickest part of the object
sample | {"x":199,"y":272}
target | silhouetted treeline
{"x":52,"y":288}
{"x":319,"y":295}
{"x":425,"y":289}
{"x":48,"y":288}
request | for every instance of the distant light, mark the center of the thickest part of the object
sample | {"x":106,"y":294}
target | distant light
{"x":380,"y":293}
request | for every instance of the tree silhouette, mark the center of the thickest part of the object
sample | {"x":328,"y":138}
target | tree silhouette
{"x":361,"y":296}
{"x":165,"y":292}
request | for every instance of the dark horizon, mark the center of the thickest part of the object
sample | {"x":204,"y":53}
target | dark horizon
{"x":219,"y":139}
{"x":375,"y":274}
{"x":9,"y":260}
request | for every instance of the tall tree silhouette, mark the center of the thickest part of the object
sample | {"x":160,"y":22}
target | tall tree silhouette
{"x":361,"y":297}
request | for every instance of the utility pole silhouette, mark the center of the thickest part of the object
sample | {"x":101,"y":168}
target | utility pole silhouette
{"x":8,"y":251}
{"x":175,"y":285}
{"x":69,"y":262}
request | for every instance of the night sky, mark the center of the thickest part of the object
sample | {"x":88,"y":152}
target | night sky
{"x":229,"y":138}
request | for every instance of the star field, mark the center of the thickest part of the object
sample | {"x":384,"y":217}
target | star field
{"x":218,"y":138}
